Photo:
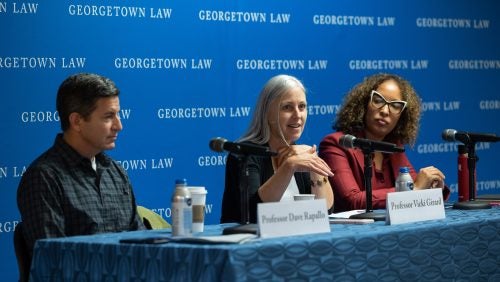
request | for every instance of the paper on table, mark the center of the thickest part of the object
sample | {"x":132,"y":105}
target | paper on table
{"x":350,"y":221}
{"x":345,"y":214}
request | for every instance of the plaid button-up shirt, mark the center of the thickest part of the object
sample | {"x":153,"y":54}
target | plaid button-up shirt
{"x":60,"y":194}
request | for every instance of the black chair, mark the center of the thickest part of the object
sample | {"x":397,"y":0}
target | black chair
{"x":22,"y":254}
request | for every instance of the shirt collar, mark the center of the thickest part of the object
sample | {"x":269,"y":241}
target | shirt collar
{"x":73,"y":156}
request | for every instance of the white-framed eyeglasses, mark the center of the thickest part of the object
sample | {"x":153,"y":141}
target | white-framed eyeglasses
{"x":378,"y":101}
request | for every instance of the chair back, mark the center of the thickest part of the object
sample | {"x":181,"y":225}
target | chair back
{"x":22,"y":254}
{"x":151,"y":219}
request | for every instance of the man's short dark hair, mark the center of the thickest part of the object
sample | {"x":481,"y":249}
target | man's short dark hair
{"x":79,"y":93}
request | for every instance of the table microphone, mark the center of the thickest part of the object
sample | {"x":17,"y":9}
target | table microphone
{"x":469,"y":140}
{"x":467,"y":137}
{"x":220,"y":144}
{"x":350,"y":141}
{"x":243,"y":151}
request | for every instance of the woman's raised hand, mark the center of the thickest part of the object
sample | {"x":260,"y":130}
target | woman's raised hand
{"x":303,"y":158}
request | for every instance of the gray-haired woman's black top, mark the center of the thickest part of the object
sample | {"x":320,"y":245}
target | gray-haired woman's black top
{"x":260,"y":170}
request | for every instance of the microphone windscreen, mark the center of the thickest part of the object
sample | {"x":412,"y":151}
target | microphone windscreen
{"x":347,"y":141}
{"x":449,"y":134}
{"x":217,"y":144}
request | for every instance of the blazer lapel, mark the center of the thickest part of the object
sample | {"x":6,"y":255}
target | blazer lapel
{"x":397,"y":161}
{"x":360,"y":158}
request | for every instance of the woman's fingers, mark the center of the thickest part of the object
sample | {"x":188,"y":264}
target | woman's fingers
{"x":430,"y":177}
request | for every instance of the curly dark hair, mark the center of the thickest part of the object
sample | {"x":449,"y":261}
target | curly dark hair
{"x":351,"y":116}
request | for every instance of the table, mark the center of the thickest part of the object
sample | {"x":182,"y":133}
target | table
{"x":465,"y":245}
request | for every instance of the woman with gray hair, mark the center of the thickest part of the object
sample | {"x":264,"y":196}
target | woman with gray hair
{"x":278,"y":122}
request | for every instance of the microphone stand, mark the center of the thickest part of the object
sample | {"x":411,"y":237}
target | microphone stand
{"x":245,"y":225}
{"x":369,"y":213}
{"x":472,"y":204}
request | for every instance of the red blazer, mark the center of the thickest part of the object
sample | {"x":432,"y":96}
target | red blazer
{"x":347,"y":183}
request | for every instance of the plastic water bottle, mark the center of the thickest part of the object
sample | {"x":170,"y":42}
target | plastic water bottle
{"x":182,"y":210}
{"x":404,"y":182}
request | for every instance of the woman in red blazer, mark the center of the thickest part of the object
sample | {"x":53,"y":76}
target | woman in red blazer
{"x":383,"y":107}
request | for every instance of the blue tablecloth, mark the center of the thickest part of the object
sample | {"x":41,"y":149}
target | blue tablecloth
{"x":464,"y":246}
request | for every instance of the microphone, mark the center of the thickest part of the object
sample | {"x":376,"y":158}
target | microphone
{"x":350,"y":141}
{"x":220,"y":144}
{"x":467,"y":137}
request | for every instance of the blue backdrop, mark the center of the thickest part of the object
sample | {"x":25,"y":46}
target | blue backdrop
{"x":191,"y":70}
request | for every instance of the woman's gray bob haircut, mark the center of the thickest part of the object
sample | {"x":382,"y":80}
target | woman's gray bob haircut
{"x":259,"y":130}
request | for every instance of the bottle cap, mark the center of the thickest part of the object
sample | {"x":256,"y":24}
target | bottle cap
{"x":181,"y":181}
{"x":404,"y":169}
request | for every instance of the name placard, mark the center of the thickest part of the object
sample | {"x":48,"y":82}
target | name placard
{"x":413,"y":206}
{"x":292,"y":218}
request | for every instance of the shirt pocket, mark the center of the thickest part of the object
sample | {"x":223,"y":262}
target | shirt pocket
{"x":118,"y":206}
